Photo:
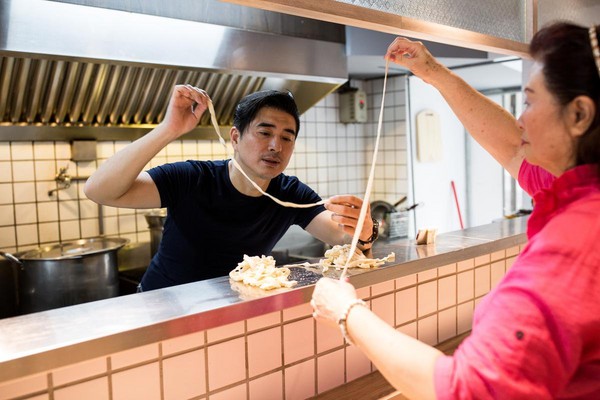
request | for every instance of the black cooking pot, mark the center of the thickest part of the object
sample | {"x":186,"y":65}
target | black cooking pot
{"x":67,"y":273}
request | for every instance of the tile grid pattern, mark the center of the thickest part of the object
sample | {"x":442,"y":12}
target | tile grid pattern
{"x":331,"y":157}
{"x":285,"y":354}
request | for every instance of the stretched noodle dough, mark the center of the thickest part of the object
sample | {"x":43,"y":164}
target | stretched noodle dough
{"x":339,"y":257}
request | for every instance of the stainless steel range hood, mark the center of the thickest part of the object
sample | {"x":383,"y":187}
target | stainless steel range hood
{"x":71,"y":71}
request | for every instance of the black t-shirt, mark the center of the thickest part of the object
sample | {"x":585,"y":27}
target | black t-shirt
{"x":210,"y":225}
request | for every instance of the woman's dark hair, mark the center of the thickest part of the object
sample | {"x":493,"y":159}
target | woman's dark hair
{"x":250,"y":105}
{"x":570,"y":70}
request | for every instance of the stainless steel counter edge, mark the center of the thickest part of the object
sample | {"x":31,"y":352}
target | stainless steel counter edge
{"x":42,"y":341}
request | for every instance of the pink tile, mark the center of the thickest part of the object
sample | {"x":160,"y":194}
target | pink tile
{"x":482,"y":280}
{"x":226,"y":363}
{"x":137,"y":383}
{"x":269,"y":387}
{"x":447,"y":270}
{"x":465,"y":265}
{"x":381,"y":288}
{"x":79,"y":371}
{"x":409,"y":329}
{"x":183,"y":343}
{"x":428,"y":330}
{"x":497,"y":272}
{"x":303,"y":310}
{"x":364,"y":292}
{"x":357,"y":363}
{"x":513,"y":251}
{"x":406,"y":281}
{"x":447,"y":324}
{"x":134,"y":356}
{"x":482,"y":260}
{"x":464,"y":317}
{"x":447,"y":292}
{"x":406,"y":305}
{"x":235,"y":393}
{"x":96,"y":389}
{"x":184,"y":376}
{"x":264,"y":321}
{"x":328,"y":337}
{"x":298,"y":340}
{"x":465,"y":290}
{"x":225,"y":332}
{"x":299,"y":381}
{"x":384,"y":308}
{"x":427,"y":298}
{"x":330,"y":370}
{"x":427,"y":275}
{"x":510,"y":262}
{"x":23,"y":386}
{"x":264,"y":351}
{"x":498,"y":255}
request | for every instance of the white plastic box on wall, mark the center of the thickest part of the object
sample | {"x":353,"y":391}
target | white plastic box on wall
{"x":353,"y":107}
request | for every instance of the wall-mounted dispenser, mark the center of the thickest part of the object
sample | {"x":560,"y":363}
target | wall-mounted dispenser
{"x":353,"y":106}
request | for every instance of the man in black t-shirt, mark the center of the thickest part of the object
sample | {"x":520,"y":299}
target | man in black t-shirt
{"x":215,"y":215}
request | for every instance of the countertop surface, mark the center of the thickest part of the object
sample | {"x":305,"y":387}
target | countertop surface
{"x":41,"y":341}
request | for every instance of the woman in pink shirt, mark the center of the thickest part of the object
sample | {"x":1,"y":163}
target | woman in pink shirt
{"x":537,"y":334}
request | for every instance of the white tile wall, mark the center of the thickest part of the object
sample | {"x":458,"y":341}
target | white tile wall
{"x":331,"y":157}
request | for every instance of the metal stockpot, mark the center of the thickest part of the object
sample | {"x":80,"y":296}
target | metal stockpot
{"x":156,"y":221}
{"x":67,"y":273}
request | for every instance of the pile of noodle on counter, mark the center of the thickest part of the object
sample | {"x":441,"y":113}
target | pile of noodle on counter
{"x":261,"y":272}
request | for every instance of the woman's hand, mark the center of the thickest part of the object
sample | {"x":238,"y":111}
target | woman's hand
{"x":330,"y":299}
{"x":186,"y":106}
{"x":346,"y":210}
{"x":415,"y":57}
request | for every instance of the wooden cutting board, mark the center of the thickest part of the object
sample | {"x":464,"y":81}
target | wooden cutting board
{"x":429,"y":137}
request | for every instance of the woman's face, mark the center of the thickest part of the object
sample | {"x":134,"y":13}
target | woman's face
{"x":545,"y":139}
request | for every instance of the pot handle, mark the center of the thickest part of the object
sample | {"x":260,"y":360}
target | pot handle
{"x":11,"y":258}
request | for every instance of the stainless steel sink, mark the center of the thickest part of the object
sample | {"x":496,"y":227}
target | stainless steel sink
{"x":300,"y":254}
{"x":298,"y":246}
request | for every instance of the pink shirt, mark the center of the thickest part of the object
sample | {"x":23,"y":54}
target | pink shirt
{"x":537,"y":334}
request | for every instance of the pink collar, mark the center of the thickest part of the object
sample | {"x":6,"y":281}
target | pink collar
{"x":574,"y":184}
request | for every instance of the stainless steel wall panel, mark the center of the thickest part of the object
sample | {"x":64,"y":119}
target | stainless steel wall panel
{"x":504,"y":19}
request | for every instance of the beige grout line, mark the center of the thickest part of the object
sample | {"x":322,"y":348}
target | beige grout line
{"x":109,"y":372}
{"x":161,"y":377}
{"x":50,"y":386}
{"x":246,"y":359}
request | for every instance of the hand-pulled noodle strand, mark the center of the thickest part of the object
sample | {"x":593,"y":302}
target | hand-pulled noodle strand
{"x":365,"y":204}
{"x":213,"y":119}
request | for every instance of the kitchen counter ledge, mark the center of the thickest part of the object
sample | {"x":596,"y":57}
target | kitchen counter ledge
{"x":46,"y":340}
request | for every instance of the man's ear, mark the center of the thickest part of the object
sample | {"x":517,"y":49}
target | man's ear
{"x":581,"y":112}
{"x":235,"y":136}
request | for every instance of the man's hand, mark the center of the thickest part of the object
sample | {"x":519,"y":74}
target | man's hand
{"x":346,"y":210}
{"x":186,"y":106}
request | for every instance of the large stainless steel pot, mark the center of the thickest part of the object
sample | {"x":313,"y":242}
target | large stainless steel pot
{"x":156,"y":221}
{"x":67,"y":273}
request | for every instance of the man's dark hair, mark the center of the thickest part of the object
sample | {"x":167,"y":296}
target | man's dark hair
{"x":250,"y":105}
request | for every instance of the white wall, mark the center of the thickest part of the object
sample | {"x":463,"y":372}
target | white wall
{"x":485,"y":190}
{"x":431,"y":180}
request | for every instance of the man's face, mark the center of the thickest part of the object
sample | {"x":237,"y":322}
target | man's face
{"x":265,"y":148}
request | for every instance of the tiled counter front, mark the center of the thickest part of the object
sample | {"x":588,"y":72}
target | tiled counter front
{"x":279,"y":355}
